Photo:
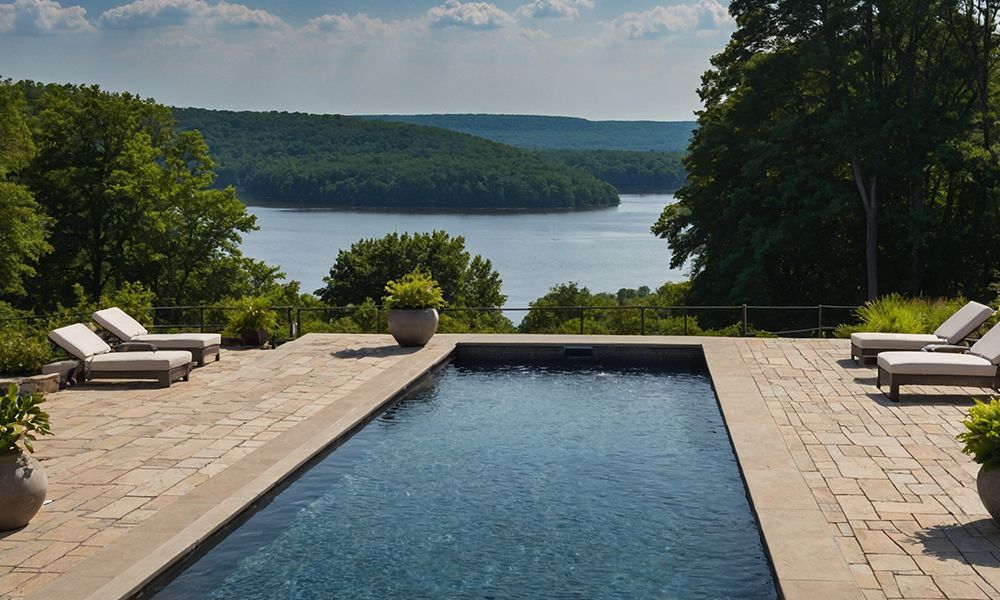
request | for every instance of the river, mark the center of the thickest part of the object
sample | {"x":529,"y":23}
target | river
{"x":604,"y":249}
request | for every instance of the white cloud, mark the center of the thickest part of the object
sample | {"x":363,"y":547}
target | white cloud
{"x":41,"y":17}
{"x":468,"y":15}
{"x":559,"y":9}
{"x":143,"y":14}
{"x":663,"y":21}
{"x":352,"y":27}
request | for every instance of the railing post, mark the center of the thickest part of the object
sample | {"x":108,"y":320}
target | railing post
{"x":298,"y":322}
{"x":685,"y":320}
{"x":819,"y":323}
{"x":201,"y":319}
{"x":291,"y":324}
{"x":642,"y":320}
{"x":581,"y":320}
{"x":378,"y":319}
{"x":744,"y":320}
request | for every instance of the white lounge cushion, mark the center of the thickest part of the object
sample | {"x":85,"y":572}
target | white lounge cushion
{"x":79,"y":341}
{"x":930,"y":363}
{"x":119,"y":323}
{"x":895,"y":341}
{"x":162,"y":360}
{"x":962,"y":323}
{"x":167,"y":341}
{"x":988,"y":346}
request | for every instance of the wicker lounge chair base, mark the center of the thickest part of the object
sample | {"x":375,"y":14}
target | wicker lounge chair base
{"x":893,"y":381}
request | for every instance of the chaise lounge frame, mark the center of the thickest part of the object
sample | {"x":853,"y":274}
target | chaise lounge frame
{"x":898,"y":379}
{"x":165,"y":378}
{"x":198,"y":353}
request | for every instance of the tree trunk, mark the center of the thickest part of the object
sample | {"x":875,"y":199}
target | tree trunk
{"x":869,"y":199}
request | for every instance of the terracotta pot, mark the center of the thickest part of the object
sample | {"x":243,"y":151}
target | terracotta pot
{"x":413,"y":327}
{"x":988,"y":484}
{"x":22,"y":490}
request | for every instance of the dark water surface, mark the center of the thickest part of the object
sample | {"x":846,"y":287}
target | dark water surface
{"x":605,"y":249}
{"x":505,"y":483}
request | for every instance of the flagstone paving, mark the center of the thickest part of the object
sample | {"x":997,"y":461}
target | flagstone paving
{"x":889,"y":477}
{"x":897,"y":493}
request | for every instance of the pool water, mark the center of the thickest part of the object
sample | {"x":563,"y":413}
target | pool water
{"x":506,"y":482}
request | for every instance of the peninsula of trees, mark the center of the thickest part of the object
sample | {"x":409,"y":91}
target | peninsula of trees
{"x":337,"y":161}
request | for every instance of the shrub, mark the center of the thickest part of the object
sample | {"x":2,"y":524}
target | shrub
{"x":252,"y":314}
{"x":982,"y":440}
{"x":21,"y":421}
{"x":21,"y":353}
{"x":896,"y":314}
{"x":415,"y":290}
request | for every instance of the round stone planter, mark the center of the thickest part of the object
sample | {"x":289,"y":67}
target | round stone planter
{"x":413,"y":327}
{"x":988,"y":484}
{"x":22,"y":489}
{"x":255,"y":337}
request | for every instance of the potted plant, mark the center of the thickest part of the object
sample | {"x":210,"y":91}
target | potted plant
{"x":413,"y":301}
{"x":253,"y":321}
{"x":982,"y":442}
{"x":22,"y":481}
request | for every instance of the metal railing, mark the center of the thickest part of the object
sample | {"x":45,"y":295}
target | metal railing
{"x":811,"y":320}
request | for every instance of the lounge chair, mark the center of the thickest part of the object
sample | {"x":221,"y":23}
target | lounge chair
{"x":131,"y":360}
{"x":958,"y":326}
{"x":127,"y":329}
{"x":943,"y":365}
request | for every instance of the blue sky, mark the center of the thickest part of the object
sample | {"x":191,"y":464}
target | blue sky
{"x":599,"y":59}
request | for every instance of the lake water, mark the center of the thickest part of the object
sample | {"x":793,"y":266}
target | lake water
{"x":604,"y":250}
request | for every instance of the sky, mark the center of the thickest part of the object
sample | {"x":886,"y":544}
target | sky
{"x":596,"y":59}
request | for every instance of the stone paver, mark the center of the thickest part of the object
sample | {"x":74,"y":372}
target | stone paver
{"x":890,"y":477}
{"x":894,"y":492}
{"x":122,"y":451}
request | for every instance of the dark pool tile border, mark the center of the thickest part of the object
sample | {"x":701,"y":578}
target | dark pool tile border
{"x":807,"y":561}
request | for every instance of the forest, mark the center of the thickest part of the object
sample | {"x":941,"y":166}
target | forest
{"x":846,"y":151}
{"x":561,"y":133}
{"x":628,"y":171}
{"x":332,"y":160}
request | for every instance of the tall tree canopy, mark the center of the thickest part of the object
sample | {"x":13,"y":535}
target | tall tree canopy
{"x":362,"y":271}
{"x":23,"y":227}
{"x":846,"y":149}
{"x":130,"y":201}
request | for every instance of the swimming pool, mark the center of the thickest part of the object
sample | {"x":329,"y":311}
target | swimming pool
{"x":511,"y":481}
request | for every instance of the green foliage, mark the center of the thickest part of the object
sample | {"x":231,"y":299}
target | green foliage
{"x":21,"y":352}
{"x":895,"y":314}
{"x":627,"y":171}
{"x":531,"y":131}
{"x":126,"y":199}
{"x":804,"y":109}
{"x":982,"y":440}
{"x":362,"y":271}
{"x":333,"y":160}
{"x":415,"y":290}
{"x":251,"y":314}
{"x":23,"y":226}
{"x":21,"y":421}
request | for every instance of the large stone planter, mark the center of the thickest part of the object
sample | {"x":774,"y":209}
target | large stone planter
{"x":413,"y":327}
{"x":22,"y":490}
{"x":988,"y":484}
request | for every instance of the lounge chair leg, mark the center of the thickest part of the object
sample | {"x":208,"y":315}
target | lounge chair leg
{"x":165,"y":380}
{"x":894,"y":393}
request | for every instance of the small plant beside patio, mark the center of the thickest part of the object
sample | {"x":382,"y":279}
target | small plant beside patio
{"x":896,"y":314}
{"x":982,"y":442}
{"x":22,"y":353}
{"x":413,"y":301}
{"x":22,"y":481}
{"x":253,"y":321}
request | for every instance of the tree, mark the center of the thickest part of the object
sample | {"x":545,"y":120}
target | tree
{"x":362,"y":271}
{"x":23,"y":226}
{"x":843,"y":152}
{"x":131,"y":201}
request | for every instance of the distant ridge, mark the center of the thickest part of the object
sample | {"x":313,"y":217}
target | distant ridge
{"x":560,"y":133}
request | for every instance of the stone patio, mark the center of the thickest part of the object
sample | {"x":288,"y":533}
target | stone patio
{"x":897,"y":495}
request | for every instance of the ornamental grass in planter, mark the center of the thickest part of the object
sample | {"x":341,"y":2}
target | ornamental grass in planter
{"x":22,"y":481}
{"x":982,"y":442}
{"x":413,"y":301}
{"x":253,"y":321}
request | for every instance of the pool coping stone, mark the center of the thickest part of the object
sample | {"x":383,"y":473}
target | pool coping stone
{"x":807,"y":561}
